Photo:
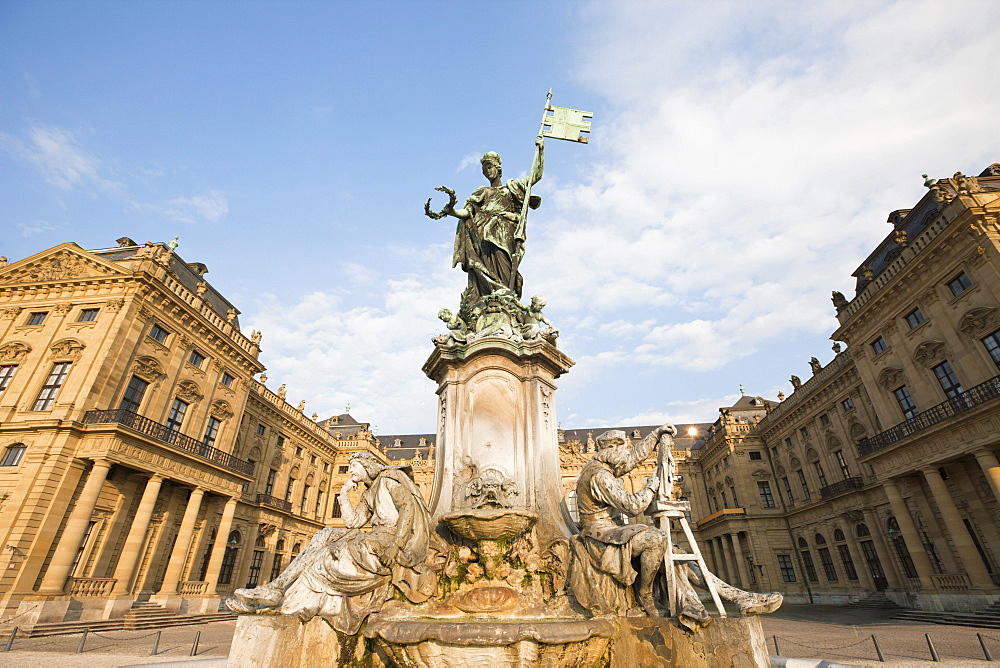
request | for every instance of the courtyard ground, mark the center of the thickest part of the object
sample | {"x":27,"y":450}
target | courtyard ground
{"x":804,"y":631}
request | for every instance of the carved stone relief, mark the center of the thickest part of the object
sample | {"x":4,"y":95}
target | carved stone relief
{"x":147,"y":368}
{"x":761,"y":474}
{"x":221,"y":410}
{"x":979,"y":321}
{"x":929,"y":353}
{"x":15,"y":351}
{"x":58,"y":266}
{"x":891,"y":378}
{"x":66,"y":349}
{"x":188,"y":391}
{"x":10,"y":312}
{"x":114,"y":304}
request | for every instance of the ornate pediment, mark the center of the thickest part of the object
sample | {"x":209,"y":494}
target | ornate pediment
{"x":66,"y":349}
{"x":147,"y":368}
{"x":761,"y":474}
{"x":221,"y":410}
{"x":929,"y":352}
{"x":979,"y":321}
{"x":858,"y":431}
{"x":187,"y":390}
{"x":15,"y":351}
{"x":61,"y":263}
{"x":891,"y":378}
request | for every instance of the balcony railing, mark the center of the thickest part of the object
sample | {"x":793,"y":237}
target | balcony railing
{"x":92,"y":587}
{"x":841,"y":486}
{"x":193,"y":588}
{"x":166,"y":435}
{"x":721,"y":514}
{"x":274,"y":502}
{"x":971,"y":398}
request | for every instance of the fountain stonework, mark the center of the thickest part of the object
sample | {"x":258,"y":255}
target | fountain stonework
{"x":495,"y":538}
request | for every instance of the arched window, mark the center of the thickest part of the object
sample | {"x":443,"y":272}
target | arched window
{"x":296,"y":548}
{"x":803,"y":543}
{"x":229,"y":558}
{"x":13,"y":454}
{"x":336,"y":508}
{"x":896,"y":537}
{"x":280,"y":546}
{"x":819,"y":540}
{"x":259,"y":542}
{"x":862,"y":530}
{"x":838,"y":535}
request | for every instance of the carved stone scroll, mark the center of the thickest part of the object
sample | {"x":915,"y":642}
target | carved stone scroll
{"x":978,"y":322}
{"x":929,"y":352}
{"x":891,"y":378}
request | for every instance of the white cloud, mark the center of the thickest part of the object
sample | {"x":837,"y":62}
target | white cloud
{"x":36,"y":227}
{"x":210,"y":205}
{"x":57,"y":155}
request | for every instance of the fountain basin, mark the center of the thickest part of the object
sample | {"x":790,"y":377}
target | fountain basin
{"x":490,"y":523}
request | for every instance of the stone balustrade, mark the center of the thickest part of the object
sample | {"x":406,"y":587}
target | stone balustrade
{"x":92,"y":587}
{"x":952,"y":582}
{"x":193,"y":588}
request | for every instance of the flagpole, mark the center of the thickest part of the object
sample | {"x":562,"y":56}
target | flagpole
{"x":522,"y":222}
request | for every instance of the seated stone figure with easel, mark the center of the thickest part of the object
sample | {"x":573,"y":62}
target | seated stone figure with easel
{"x":602,"y":574}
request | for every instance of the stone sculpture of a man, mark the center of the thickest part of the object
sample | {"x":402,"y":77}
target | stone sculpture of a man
{"x":489,"y":241}
{"x":602,"y":574}
{"x":344,"y":576}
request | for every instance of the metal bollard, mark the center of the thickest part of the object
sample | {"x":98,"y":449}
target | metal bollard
{"x":878,"y":650}
{"x":777,"y":650}
{"x":930,"y":646}
{"x":156,"y":644}
{"x":194,"y":647}
{"x":10,"y":640}
{"x":986,"y":650}
{"x":83,"y":641}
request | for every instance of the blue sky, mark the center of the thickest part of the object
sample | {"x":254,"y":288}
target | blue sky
{"x":743,"y":161}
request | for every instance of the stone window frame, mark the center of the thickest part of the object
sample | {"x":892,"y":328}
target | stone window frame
{"x":915,"y":318}
{"x":36,"y":318}
{"x":962,"y":281}
{"x":159,"y":334}
{"x":52,"y":386}
{"x":88,"y":315}
{"x":13,"y":454}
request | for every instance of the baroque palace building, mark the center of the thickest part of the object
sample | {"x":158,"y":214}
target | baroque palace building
{"x":140,"y":459}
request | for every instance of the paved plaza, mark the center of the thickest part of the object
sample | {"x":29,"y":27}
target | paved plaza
{"x":804,"y":631}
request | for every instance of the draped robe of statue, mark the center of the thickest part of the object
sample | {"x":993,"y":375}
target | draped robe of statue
{"x":489,"y":244}
{"x":352,"y":574}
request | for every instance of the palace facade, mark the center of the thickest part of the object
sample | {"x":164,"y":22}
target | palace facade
{"x":140,"y":459}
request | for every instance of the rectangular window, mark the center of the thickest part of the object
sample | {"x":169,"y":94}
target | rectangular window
{"x":88,"y":315}
{"x":879,"y":345}
{"x":37,"y":318}
{"x":824,"y":420}
{"x":6,"y":375}
{"x":755,"y":456}
{"x":820,"y":474}
{"x":787,"y":570}
{"x":905,"y":402}
{"x":788,"y":490}
{"x":281,"y":440}
{"x":847,"y":404}
{"x":211,"y":431}
{"x":914,"y":318}
{"x":788,"y":442}
{"x":305,"y":499}
{"x":842,"y":462}
{"x":276,"y":566}
{"x":228,"y":562}
{"x":342,"y":469}
{"x":319,"y":503}
{"x":766,"y":497}
{"x":253,"y":577}
{"x":804,"y":483}
{"x":312,"y":459}
{"x":845,"y":559}
{"x":176,"y":417}
{"x":227,"y":379}
{"x":810,"y":567}
{"x":196,"y":359}
{"x":828,"y":569}
{"x":959,"y":284}
{"x":948,"y":380}
{"x":804,"y":432}
{"x":13,"y":454}
{"x":992,"y":343}
{"x":269,"y":487}
{"x":52,"y":385}
{"x":298,"y":450}
{"x":736,"y":500}
{"x":158,"y":334}
{"x":289,"y":489}
{"x":725,"y":501}
{"x":132,"y":398}
{"x":260,"y":432}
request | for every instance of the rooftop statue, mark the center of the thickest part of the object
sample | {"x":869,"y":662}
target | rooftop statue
{"x":489,"y":240}
{"x":602,"y":574}
{"x":344,"y":576}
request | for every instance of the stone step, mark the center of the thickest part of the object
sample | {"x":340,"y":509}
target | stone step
{"x":68,"y":628}
{"x":983,"y":619}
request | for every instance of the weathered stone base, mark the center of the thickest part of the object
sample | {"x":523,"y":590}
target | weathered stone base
{"x":658,"y":643}
{"x":942,"y":601}
{"x":266,"y":641}
{"x":279,"y":641}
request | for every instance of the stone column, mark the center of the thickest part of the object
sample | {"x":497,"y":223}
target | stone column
{"x":860,"y":567}
{"x":910,"y":536}
{"x":882,"y":549}
{"x":730,"y":571}
{"x":741,"y":562}
{"x":955,"y":527}
{"x":129,"y":558}
{"x":712,"y":558}
{"x":991,"y":467}
{"x":182,"y":545}
{"x":54,"y":582}
{"x":219,"y":549}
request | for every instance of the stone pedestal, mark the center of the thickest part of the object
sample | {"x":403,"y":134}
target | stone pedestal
{"x":496,"y":410}
{"x":658,"y":643}
{"x":280,"y":641}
